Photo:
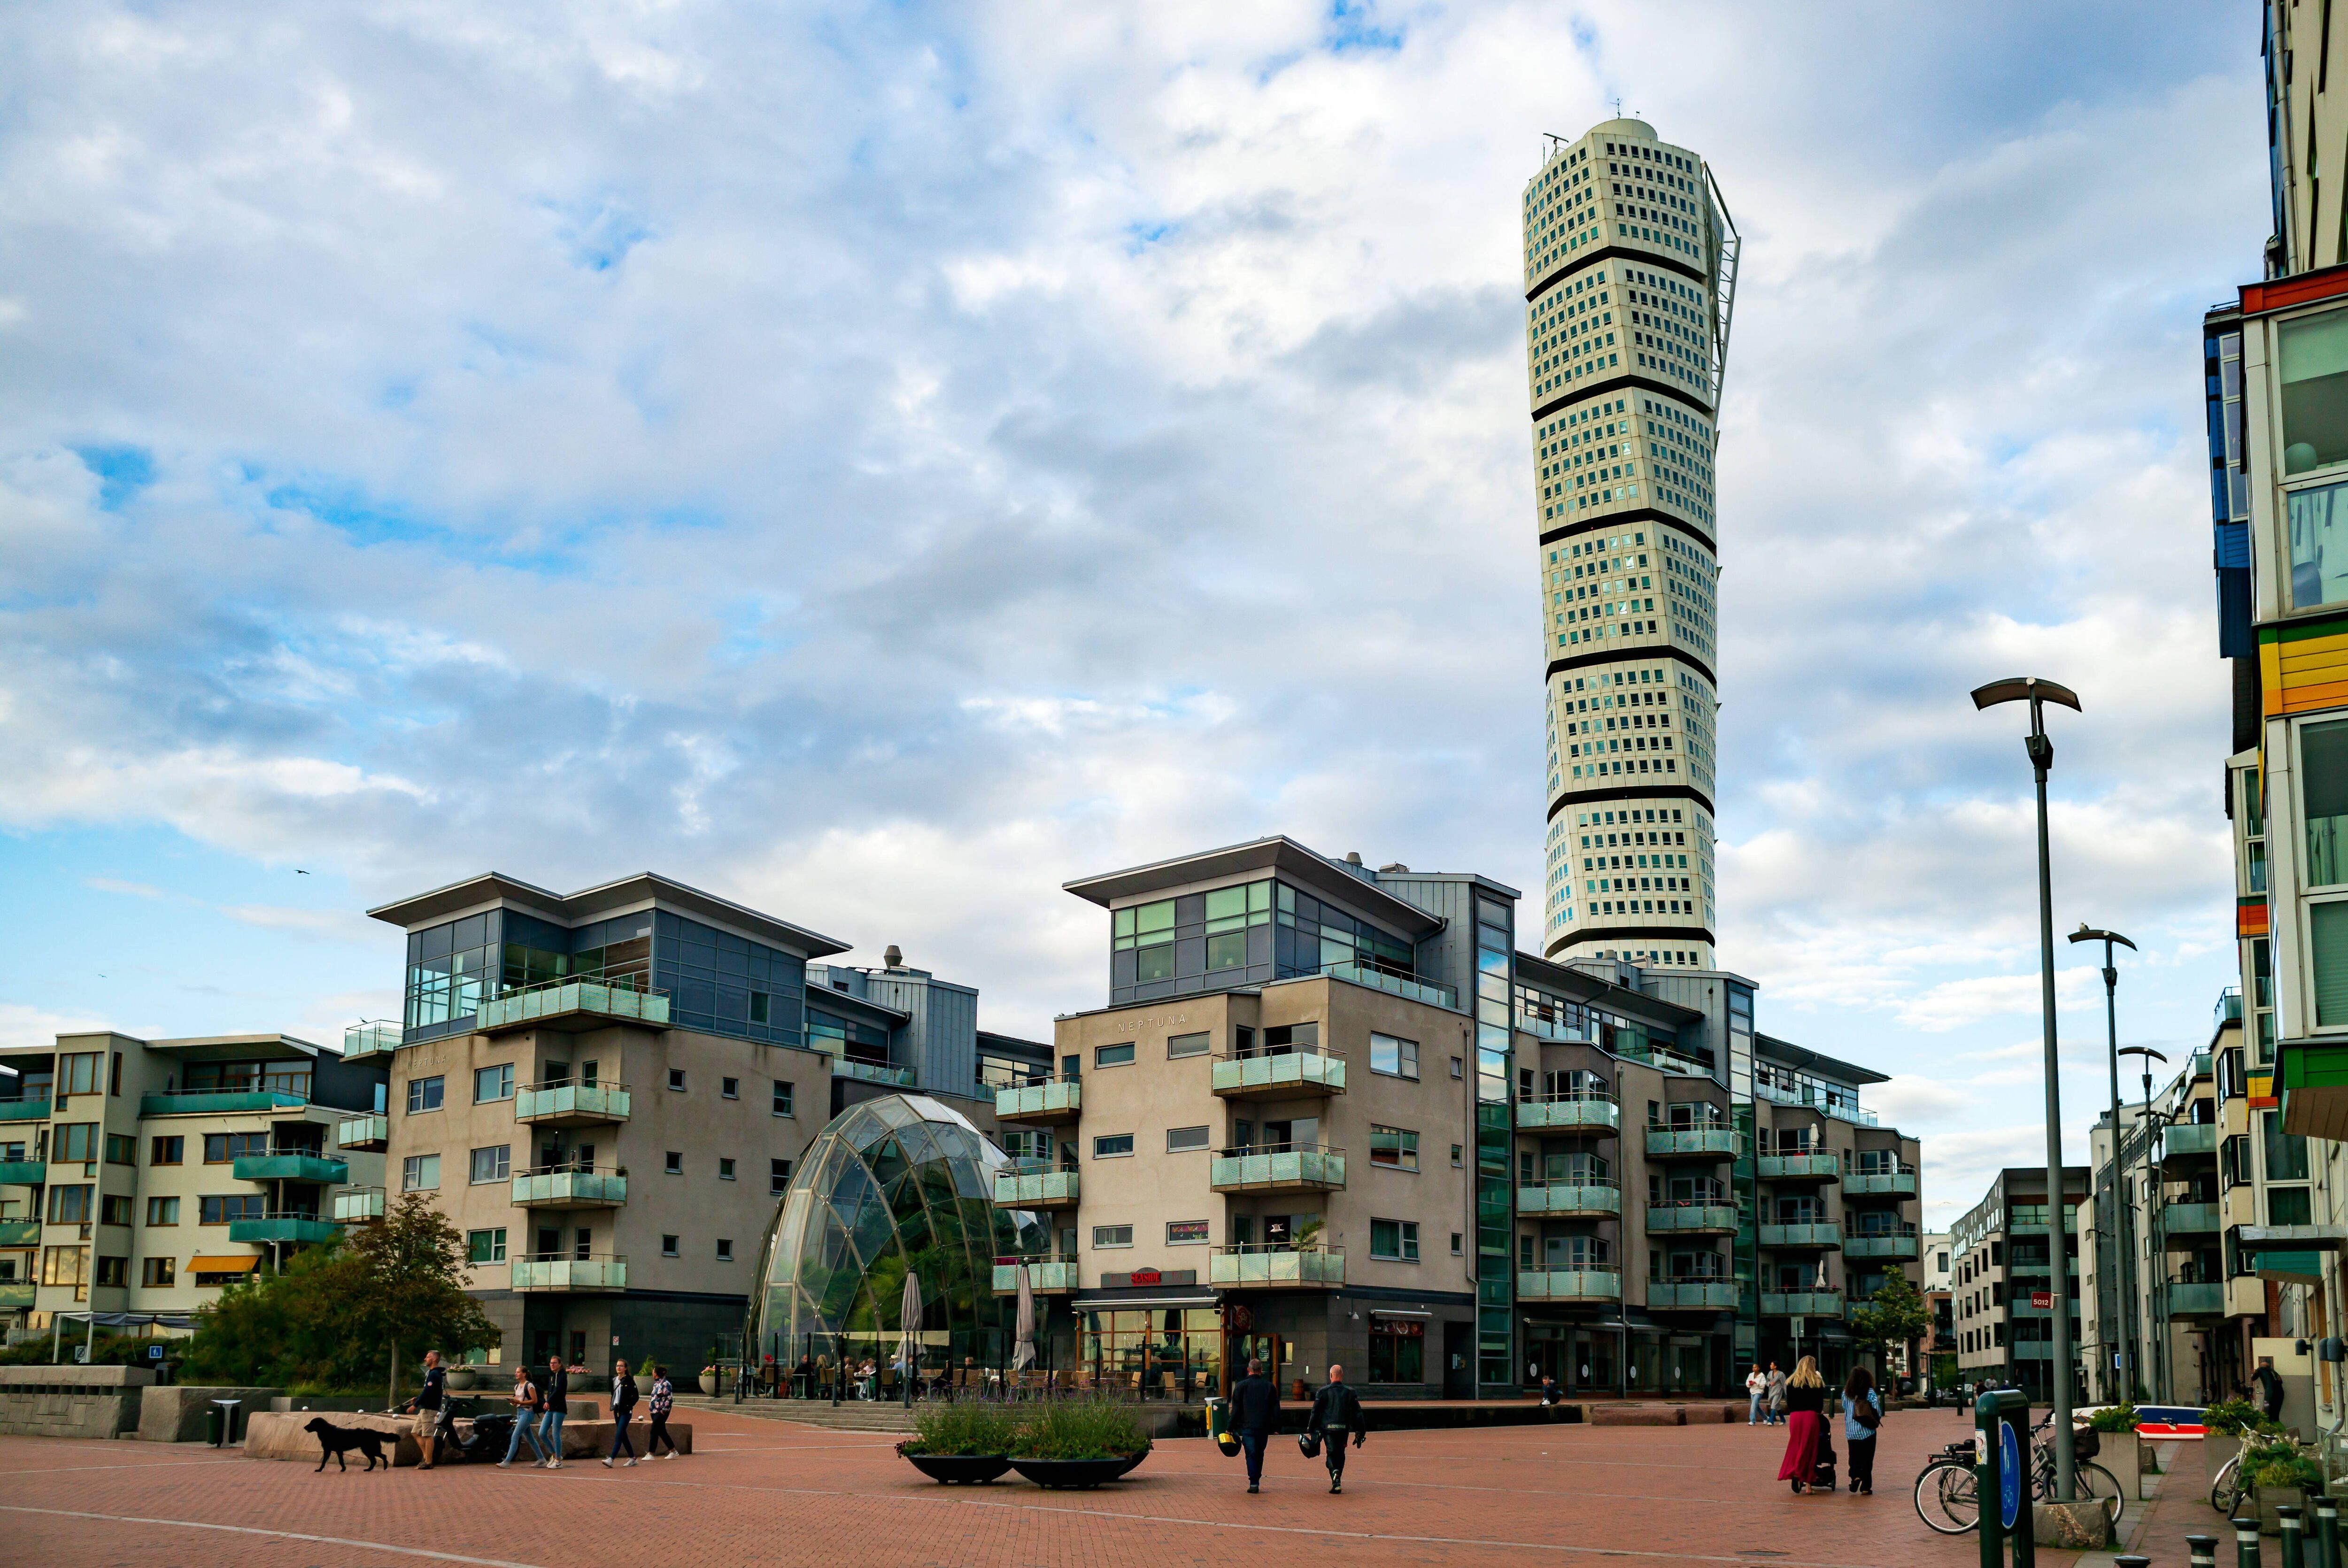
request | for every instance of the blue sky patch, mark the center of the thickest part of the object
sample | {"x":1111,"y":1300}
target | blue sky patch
{"x":122,"y":472}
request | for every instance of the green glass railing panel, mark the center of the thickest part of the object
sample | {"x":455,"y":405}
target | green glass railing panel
{"x":1807,"y":1233}
{"x":214,"y":1103}
{"x":1054,"y":1274}
{"x":289,"y":1168}
{"x":1024,"y":1100}
{"x":1568,"y":1284}
{"x":571,"y":1187}
{"x":284,"y":1228}
{"x":1899,"y":1183}
{"x":2188,"y":1216}
{"x":1535,"y":1115}
{"x":1801,"y":1303}
{"x":1305,"y":1071}
{"x":353,"y":1131}
{"x":1276,"y":1267}
{"x":2196,"y":1299}
{"x":582,"y":996}
{"x":15,"y":1293}
{"x":1798,"y":1167}
{"x":607,"y":1100}
{"x":20,"y":1232}
{"x":23,"y":1173}
{"x":1569,"y":1198}
{"x":1691,"y":1216}
{"x":2188,"y":1138}
{"x":1716,"y":1142}
{"x":568,"y":1273}
{"x":1012,"y":1190}
{"x":24,"y":1110}
{"x":360,"y":1204}
{"x":1879,"y":1247}
{"x":1682,"y":1295}
{"x":1293,"y":1169}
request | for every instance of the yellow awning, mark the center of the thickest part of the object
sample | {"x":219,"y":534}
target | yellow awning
{"x":222,"y":1264}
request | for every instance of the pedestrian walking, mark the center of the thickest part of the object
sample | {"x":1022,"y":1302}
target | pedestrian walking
{"x":1862,"y":1413}
{"x":1776,"y":1400}
{"x":1336,"y":1412}
{"x":427,"y":1406}
{"x":1255,"y":1416}
{"x":527,"y":1403}
{"x":555,"y":1390}
{"x":1805,"y":1402}
{"x":1757,"y":1389}
{"x":663,"y":1396}
{"x":2268,"y":1383}
{"x":623,"y":1408}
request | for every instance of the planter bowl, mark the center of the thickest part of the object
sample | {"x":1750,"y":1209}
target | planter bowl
{"x":463,"y":1378}
{"x":709,"y":1384}
{"x":1073,"y":1472}
{"x":960,"y":1469}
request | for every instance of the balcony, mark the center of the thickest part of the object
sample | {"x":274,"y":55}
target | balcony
{"x":20,"y":1232}
{"x":1426,"y":992}
{"x":1880,"y":1184}
{"x":288,"y":1225}
{"x":1802,"y":1235}
{"x":573,"y":1004}
{"x":15,"y":1293}
{"x":290,"y":1165}
{"x":218,"y":1101}
{"x":1801,"y":1303}
{"x":1041,"y":1100}
{"x":1265,"y":1075}
{"x":369,"y":1133}
{"x":1019,"y":1187}
{"x":23,"y":1173}
{"x":1583,"y":1110}
{"x":2181,"y":1219}
{"x":1691,"y":1295}
{"x":1591,"y":1200}
{"x":555,"y":1272}
{"x":567,"y":1104}
{"x":1565,"y":1285}
{"x":1278,"y":1168}
{"x":1045,"y":1276}
{"x":1900,"y":1244}
{"x":23,"y":1111}
{"x":571,"y":1188}
{"x":2198,"y":1298}
{"x":2312,"y":1076}
{"x":874,"y":1072}
{"x":373,"y":1040}
{"x":1715,"y":1143}
{"x":2189,"y":1143}
{"x":352,"y":1206}
{"x":1686,"y":1218}
{"x":1272,"y":1264}
{"x":1807,"y":1166}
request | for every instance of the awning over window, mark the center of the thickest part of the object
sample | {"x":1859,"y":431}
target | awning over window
{"x":222,"y":1264}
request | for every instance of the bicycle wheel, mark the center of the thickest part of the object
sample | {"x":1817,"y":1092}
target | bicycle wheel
{"x":2223,"y":1493}
{"x":1946,"y":1497}
{"x":2093,"y":1480}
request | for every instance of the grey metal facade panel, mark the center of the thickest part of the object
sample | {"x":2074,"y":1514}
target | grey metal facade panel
{"x":1448,"y":957}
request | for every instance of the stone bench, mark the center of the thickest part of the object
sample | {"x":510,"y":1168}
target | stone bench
{"x":1637,"y":1416}
{"x":282,"y":1435}
{"x":73,"y":1401}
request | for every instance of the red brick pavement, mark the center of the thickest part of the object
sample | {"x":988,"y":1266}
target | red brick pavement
{"x":765,"y":1491}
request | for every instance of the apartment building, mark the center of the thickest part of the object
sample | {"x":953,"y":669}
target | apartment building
{"x":1938,"y":1290}
{"x":608,"y":1091}
{"x":142,"y":1175}
{"x":1396,"y":1142}
{"x":2004,"y":1281}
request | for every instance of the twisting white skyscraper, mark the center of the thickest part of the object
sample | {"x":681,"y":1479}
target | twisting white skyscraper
{"x":1629,"y":279}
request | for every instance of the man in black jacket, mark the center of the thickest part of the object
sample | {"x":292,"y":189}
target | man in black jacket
{"x":427,"y":1406}
{"x":1255,"y":1416}
{"x":1336,"y":1413}
{"x":556,"y":1384}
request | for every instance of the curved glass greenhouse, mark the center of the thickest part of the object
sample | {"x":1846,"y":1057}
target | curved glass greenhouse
{"x":899,"y":1182}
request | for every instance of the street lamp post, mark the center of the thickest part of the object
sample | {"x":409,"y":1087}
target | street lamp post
{"x":2041,"y":750}
{"x":2145,"y":1190}
{"x":2128,"y":1371}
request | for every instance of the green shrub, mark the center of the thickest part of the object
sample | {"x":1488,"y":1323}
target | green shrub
{"x":2280,"y":1466}
{"x":2231,"y":1418}
{"x":1081,"y":1428}
{"x":2119,"y":1417}
{"x":963,"y":1428}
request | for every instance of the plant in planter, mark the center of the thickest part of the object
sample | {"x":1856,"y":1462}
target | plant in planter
{"x":2231,"y":1418}
{"x":962,"y":1442}
{"x":1079,"y":1442}
{"x":709,"y":1379}
{"x":2119,"y":1417}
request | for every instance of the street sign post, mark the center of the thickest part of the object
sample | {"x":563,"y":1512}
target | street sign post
{"x":2001,"y":1478}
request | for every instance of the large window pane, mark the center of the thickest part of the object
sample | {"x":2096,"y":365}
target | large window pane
{"x":2317,"y":521}
{"x":2327,"y":948}
{"x":2314,"y":390}
{"x":2323,"y":797}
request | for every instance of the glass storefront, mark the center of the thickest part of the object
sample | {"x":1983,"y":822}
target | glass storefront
{"x":1159,"y":1352}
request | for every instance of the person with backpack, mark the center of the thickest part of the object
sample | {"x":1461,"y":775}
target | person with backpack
{"x":1863,"y":1414}
{"x":528,"y":1402}
{"x":623,"y":1406}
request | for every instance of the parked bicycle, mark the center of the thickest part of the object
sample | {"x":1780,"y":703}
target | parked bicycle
{"x":2229,"y":1491}
{"x":1947,"y":1490}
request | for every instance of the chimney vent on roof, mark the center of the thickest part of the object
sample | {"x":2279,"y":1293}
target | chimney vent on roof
{"x":1393,"y":868}
{"x":1353,"y":857}
{"x":891,"y":958}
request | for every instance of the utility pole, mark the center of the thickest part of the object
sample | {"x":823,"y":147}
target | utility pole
{"x":2155,"y":1378}
{"x":2112,"y":1044}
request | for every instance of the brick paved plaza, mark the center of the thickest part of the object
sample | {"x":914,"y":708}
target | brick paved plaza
{"x":765,"y":1490}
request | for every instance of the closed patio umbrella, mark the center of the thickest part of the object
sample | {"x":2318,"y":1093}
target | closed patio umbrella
{"x":1023,"y":1352}
{"x":909,"y":1318}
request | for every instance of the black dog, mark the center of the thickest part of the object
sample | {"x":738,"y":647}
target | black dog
{"x":335,"y":1441}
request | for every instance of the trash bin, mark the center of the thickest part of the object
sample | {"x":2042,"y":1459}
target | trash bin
{"x":226,"y":1432}
{"x":215,"y":1424}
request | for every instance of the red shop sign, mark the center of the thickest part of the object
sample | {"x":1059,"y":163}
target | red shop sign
{"x":1145,"y":1276}
{"x":2043,"y":1300}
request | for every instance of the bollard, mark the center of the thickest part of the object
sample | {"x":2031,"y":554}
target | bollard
{"x":2202,"y":1550}
{"x":2324,"y":1551}
{"x":2246,"y":1540}
{"x":2294,"y":1540}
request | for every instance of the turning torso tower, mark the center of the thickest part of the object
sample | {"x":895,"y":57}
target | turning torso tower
{"x":1629,"y":279}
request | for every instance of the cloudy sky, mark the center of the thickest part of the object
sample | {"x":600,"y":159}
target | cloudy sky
{"x":880,"y":462}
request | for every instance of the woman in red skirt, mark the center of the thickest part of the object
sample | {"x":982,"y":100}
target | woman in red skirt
{"x":1806,"y":1399}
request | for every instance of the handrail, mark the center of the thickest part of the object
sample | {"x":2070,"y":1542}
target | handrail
{"x":564,"y":1257}
{"x":1720,"y":1124}
{"x":620,"y":980}
{"x":568,"y":1168}
{"x":1232,"y":1053}
{"x":1904,"y":1228}
{"x":1241,"y":1151}
{"x":1572,"y":1182}
{"x":1255,"y":1247}
{"x":577,"y":1083}
{"x":1032,"y":1165}
{"x":1564,"y":1095}
{"x":1722,"y":1201}
{"x":1038,"y":1081}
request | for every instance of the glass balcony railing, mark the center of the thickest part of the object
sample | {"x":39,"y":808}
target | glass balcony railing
{"x":2228,"y":1008}
{"x":1033,"y":1188}
{"x":1578,"y":1109}
{"x":362,"y":1132}
{"x":218,"y":1101}
{"x":1569,"y":1198}
{"x":1589,"y":1283}
{"x":874,"y":1072}
{"x":1045,"y":1276}
{"x":1277,"y":1167}
{"x":1684,"y":1216}
{"x":2205,"y":1298}
{"x":564,"y":1103}
{"x":373,"y":1040}
{"x":286,"y":1226}
{"x":1801,"y":1234}
{"x":290,"y":1165}
{"x":1416,"y":990}
{"x":20,"y":1232}
{"x":2181,"y":1217}
{"x":571,"y":1188}
{"x":1041,"y":1100}
{"x":1880,"y":1244}
{"x":2189,"y":1140}
{"x":615,"y":997}
{"x":15,"y":1293}
{"x":1718,"y":1141}
{"x":1877,"y":1183}
{"x":1690,"y":1295}
{"x":352,"y":1206}
{"x":601,"y":1271}
{"x":1801,"y":1303}
{"x":25,"y":1109}
{"x":1836,"y":1106}
{"x":1272,"y":1264}
{"x":23,"y":1173}
{"x":1820,"y":1165}
{"x":1266,"y":1072}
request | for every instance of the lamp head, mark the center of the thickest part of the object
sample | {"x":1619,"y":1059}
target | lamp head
{"x":2083,"y":934}
{"x":2024,"y":689}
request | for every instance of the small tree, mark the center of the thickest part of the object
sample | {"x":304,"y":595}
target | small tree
{"x":1897,"y":1316}
{"x":406,"y":1286}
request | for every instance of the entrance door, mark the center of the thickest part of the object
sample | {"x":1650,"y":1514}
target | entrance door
{"x":1459,"y":1361}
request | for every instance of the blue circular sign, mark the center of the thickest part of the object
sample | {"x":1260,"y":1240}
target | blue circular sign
{"x":2009,"y":1475}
